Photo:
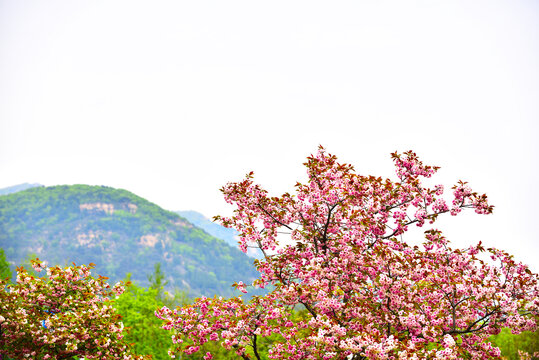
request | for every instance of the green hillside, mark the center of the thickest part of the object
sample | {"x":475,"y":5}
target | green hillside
{"x":120,"y":232}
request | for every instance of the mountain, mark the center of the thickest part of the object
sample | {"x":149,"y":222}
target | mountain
{"x":16,"y":188}
{"x":119,"y":232}
{"x":216,"y":230}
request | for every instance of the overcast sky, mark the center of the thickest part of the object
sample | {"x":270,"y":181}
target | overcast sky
{"x":172,"y":99}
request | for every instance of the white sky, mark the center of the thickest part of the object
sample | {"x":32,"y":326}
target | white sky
{"x":172,"y":99}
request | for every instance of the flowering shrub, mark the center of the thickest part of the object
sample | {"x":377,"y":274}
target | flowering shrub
{"x":527,"y":356}
{"x":367,"y":293}
{"x":66,"y":314}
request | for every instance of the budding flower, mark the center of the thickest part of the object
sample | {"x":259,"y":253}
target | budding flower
{"x":2,"y":319}
{"x":241,"y":287}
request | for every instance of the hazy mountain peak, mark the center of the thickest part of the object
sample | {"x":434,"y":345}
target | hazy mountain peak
{"x":17,"y":188}
{"x":216,"y":230}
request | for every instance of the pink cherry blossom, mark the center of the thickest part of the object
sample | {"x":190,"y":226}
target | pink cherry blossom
{"x":346,"y":285}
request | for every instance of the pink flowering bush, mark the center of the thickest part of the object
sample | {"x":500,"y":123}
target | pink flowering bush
{"x":364,"y":291}
{"x":527,"y":356}
{"x":67,"y":313}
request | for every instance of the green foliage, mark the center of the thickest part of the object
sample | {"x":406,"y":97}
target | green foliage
{"x":156,"y":280}
{"x":137,"y":306}
{"x":5,"y":270}
{"x":509,"y":343}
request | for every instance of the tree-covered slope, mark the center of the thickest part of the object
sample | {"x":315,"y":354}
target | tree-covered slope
{"x":120,"y":232}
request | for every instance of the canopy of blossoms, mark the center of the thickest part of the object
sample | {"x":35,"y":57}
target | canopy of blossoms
{"x":346,"y":285}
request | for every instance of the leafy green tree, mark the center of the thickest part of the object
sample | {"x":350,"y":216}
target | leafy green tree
{"x":5,"y":271}
{"x":510,"y":344}
{"x":136,"y":306}
{"x":156,"y":280}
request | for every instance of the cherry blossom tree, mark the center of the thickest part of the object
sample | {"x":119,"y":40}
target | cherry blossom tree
{"x":363,"y":291}
{"x":65,"y":314}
